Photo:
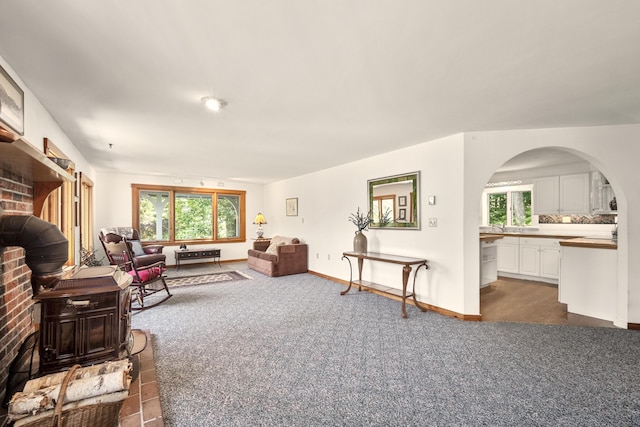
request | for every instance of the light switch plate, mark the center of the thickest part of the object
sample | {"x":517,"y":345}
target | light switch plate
{"x":433,"y":222}
{"x":432,"y":200}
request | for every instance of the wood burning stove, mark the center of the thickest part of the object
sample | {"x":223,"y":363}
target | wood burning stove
{"x":85,"y":319}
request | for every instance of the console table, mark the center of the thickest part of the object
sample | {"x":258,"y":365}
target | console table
{"x":406,"y":262}
{"x":190,"y":254}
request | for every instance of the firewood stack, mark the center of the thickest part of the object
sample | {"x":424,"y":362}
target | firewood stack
{"x":97,"y":385}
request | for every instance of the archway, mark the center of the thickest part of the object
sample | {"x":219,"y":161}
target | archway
{"x":529,"y":293}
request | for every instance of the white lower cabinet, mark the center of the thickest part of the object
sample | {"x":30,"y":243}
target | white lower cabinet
{"x":488,"y":262}
{"x":550,"y":261}
{"x":531,"y":256}
{"x":508,"y":254}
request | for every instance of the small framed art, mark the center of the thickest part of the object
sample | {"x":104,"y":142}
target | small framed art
{"x":292,"y":206}
{"x":11,"y":103}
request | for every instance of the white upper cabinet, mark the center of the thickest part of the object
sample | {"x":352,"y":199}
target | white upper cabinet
{"x":574,"y":194}
{"x":601,"y":194}
{"x":564,"y":194}
{"x":546,"y":195}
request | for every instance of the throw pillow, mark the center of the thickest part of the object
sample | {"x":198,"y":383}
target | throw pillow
{"x":136,"y":247}
{"x":278,"y":241}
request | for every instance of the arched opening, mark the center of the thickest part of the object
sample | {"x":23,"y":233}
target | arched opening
{"x":520,"y":271}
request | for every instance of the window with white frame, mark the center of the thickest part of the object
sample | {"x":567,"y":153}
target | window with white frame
{"x":508,"y":206}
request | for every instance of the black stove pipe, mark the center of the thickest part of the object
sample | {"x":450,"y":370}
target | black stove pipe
{"x":45,"y":247}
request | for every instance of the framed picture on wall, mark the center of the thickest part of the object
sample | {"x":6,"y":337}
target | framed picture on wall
{"x":402,"y":200}
{"x":292,"y":206}
{"x":11,"y":104}
{"x":402,"y":214}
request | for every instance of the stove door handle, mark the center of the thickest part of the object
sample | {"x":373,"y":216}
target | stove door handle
{"x":83,"y":303}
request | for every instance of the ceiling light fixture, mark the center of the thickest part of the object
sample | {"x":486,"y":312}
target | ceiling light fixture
{"x":213,"y":103}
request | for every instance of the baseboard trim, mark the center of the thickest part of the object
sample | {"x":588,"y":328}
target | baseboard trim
{"x":434,"y":308}
{"x":633,"y":326}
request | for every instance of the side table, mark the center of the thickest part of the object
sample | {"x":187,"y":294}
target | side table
{"x":190,"y":254}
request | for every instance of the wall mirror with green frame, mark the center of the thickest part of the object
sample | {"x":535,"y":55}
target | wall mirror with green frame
{"x":393,"y":201}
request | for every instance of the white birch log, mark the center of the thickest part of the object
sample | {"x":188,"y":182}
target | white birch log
{"x":44,"y":399}
{"x":106,"y":398}
{"x":89,"y":371}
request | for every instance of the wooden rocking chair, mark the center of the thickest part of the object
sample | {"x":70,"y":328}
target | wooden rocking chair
{"x":147,"y":279}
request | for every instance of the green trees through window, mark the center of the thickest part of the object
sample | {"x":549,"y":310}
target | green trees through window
{"x":177,"y":214}
{"x":511,"y":208}
{"x":194,"y":213}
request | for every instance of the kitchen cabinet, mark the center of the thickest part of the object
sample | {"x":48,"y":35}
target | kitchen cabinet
{"x":601,"y":194}
{"x":550,"y":261}
{"x":574,"y":194}
{"x":534,"y":258}
{"x":546,"y":195}
{"x":564,"y":194}
{"x":540,"y":257}
{"x":508,"y":253}
{"x":588,"y":282}
{"x":488,"y":262}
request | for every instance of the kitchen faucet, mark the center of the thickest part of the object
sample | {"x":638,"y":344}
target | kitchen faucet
{"x":502,"y":227}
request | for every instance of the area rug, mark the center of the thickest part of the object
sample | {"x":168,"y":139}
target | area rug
{"x":202,"y":279}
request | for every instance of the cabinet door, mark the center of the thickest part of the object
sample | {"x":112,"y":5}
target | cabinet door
{"x":550,"y":262}
{"x":507,"y":254}
{"x":546,"y":198}
{"x":530,"y":260}
{"x":574,"y":194}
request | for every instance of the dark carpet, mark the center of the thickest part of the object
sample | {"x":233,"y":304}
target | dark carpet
{"x":291,"y":351}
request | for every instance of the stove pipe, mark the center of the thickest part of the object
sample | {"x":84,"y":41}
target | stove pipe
{"x":45,"y":247}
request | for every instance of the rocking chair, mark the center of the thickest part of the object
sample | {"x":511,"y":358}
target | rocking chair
{"x":147,"y":279}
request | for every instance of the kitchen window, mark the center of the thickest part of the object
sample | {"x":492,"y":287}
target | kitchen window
{"x":508,"y":206}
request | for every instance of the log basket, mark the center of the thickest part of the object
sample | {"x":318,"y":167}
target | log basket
{"x":104,"y":414}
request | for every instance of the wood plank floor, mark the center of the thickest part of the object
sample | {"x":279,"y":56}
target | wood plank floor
{"x":514,"y":300}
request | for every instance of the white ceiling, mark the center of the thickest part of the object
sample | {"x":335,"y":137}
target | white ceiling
{"x":313,"y":84}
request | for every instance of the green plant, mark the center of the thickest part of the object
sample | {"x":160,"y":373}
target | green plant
{"x":386,"y":218}
{"x":361,"y":220}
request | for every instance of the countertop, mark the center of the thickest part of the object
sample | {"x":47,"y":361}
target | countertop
{"x":572,"y":241}
{"x":489,"y":237}
{"x":589,"y":242}
{"x":542,"y":236}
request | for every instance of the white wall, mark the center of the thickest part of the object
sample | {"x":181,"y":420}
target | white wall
{"x":114,"y":208}
{"x":326,"y":198}
{"x":455,"y":170}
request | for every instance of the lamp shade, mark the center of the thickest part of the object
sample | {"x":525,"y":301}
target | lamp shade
{"x":259,"y":219}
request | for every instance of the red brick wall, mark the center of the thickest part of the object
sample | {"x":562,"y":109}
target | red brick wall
{"x":16,"y":305}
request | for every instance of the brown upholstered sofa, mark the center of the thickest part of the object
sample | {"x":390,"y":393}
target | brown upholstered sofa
{"x":278,"y":257}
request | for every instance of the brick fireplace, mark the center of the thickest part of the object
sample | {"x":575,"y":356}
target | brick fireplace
{"x":16,"y":306}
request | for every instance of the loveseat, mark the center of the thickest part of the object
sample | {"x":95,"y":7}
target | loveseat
{"x":279,"y":256}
